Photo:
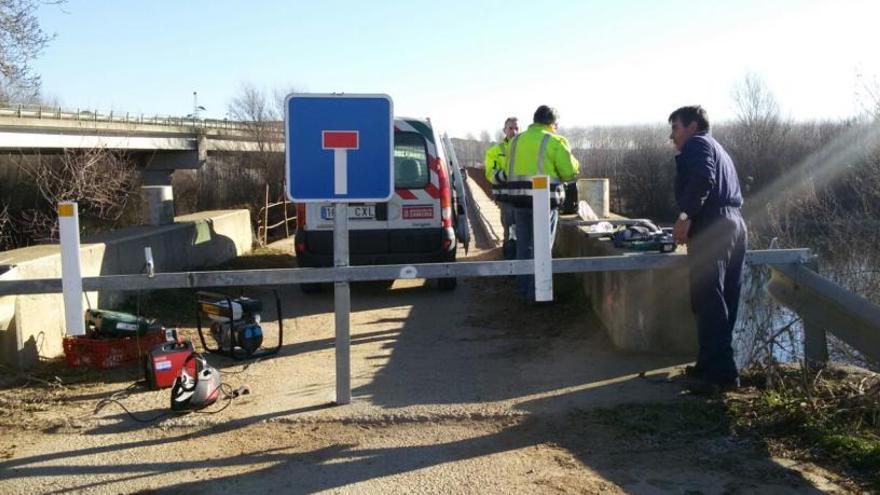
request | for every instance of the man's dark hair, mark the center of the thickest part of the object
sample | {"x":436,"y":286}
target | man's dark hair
{"x":546,"y":115}
{"x":510,"y":119}
{"x":691,"y":113}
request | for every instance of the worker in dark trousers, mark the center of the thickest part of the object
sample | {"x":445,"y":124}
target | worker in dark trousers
{"x":708,"y":194}
{"x":539,"y":151}
{"x":496,"y":165}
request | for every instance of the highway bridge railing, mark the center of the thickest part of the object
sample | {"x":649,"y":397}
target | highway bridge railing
{"x":42,"y":112}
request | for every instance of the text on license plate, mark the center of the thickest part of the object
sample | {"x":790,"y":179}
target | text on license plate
{"x":355,"y":212}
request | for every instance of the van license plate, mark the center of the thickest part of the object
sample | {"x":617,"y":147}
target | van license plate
{"x":355,"y":212}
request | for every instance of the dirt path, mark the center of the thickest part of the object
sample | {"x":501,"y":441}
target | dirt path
{"x":467,"y":391}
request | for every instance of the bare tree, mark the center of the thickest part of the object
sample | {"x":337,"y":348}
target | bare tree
{"x":760,"y":131}
{"x":21,"y":41}
{"x":248,"y":175}
{"x":280,"y":98}
{"x":253,"y":108}
{"x":868,"y":95}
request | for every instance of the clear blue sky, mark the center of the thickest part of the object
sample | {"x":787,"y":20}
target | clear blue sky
{"x":466,"y":64}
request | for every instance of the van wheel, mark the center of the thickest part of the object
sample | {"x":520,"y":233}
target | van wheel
{"x":377,"y":285}
{"x":310,"y":288}
{"x":447,"y":283}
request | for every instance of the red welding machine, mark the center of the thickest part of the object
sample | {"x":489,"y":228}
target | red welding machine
{"x":164,"y":362}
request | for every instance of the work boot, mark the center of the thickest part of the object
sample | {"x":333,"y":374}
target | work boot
{"x":693,"y":371}
{"x":704,"y":387}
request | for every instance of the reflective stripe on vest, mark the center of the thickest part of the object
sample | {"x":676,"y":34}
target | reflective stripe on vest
{"x":512,"y":158}
{"x":518,"y":188}
{"x":541,"y":152}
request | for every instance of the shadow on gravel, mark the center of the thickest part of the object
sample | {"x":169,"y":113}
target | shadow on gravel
{"x":487,"y":345}
{"x":679,"y":447}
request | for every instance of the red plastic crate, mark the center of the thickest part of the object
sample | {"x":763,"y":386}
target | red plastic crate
{"x":108,"y":353}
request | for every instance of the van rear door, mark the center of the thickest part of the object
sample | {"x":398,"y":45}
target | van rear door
{"x":416,"y":200}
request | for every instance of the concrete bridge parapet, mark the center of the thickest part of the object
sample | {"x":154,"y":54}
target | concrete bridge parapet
{"x":642,"y":311}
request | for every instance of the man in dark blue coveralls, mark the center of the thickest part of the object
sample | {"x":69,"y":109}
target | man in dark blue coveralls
{"x":708,"y":194}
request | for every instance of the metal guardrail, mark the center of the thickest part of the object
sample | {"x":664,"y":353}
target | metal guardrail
{"x":826,"y":307}
{"x":263,"y":226}
{"x":193,"y":280}
{"x":58,"y":113}
{"x":263,"y":215}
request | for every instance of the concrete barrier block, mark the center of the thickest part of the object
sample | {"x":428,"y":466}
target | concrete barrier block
{"x":597,"y":194}
{"x":33,"y":326}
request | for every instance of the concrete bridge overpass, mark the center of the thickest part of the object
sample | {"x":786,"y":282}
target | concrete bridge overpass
{"x":159,"y":145}
{"x":32,"y":129}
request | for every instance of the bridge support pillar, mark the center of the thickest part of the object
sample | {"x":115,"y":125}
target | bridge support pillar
{"x":159,"y":197}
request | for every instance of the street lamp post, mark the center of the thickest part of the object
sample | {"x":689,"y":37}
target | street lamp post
{"x":196,"y":107}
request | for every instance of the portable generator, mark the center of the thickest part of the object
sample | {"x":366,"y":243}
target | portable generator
{"x":164,"y":362}
{"x":196,"y":386}
{"x":235,"y":324}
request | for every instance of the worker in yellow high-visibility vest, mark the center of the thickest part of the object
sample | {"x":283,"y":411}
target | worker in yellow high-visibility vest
{"x":537,"y":151}
{"x":496,"y":161}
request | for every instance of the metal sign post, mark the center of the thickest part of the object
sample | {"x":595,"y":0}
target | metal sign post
{"x":541,"y":238}
{"x":342,"y":306}
{"x":339,"y":149}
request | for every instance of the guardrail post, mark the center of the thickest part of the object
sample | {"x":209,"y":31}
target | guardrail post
{"x":541,"y":238}
{"x":71,"y":274}
{"x":815,"y":338}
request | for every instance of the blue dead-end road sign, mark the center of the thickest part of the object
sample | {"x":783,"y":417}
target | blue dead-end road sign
{"x":339,"y":147}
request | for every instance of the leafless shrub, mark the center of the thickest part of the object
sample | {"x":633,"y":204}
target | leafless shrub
{"x":100,"y":181}
{"x":470,"y":151}
{"x":6,"y":237}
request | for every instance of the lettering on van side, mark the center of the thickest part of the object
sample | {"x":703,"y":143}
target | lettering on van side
{"x":418,"y":212}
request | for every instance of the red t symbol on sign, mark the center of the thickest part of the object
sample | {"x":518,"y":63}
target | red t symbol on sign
{"x":340,"y":142}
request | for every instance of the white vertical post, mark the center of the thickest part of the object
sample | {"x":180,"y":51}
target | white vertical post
{"x":342,"y":306}
{"x":71,"y":273}
{"x":541,"y":238}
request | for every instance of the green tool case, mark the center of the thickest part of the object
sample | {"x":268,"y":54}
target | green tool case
{"x":105,"y":323}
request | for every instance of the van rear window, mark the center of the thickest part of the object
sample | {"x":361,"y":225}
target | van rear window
{"x":410,"y":161}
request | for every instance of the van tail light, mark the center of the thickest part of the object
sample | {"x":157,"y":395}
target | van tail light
{"x":445,"y":205}
{"x":300,"y":215}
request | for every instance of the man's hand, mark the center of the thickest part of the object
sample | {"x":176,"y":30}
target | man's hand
{"x":680,"y":231}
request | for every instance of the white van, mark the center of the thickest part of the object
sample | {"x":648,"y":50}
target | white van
{"x":422,"y":223}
